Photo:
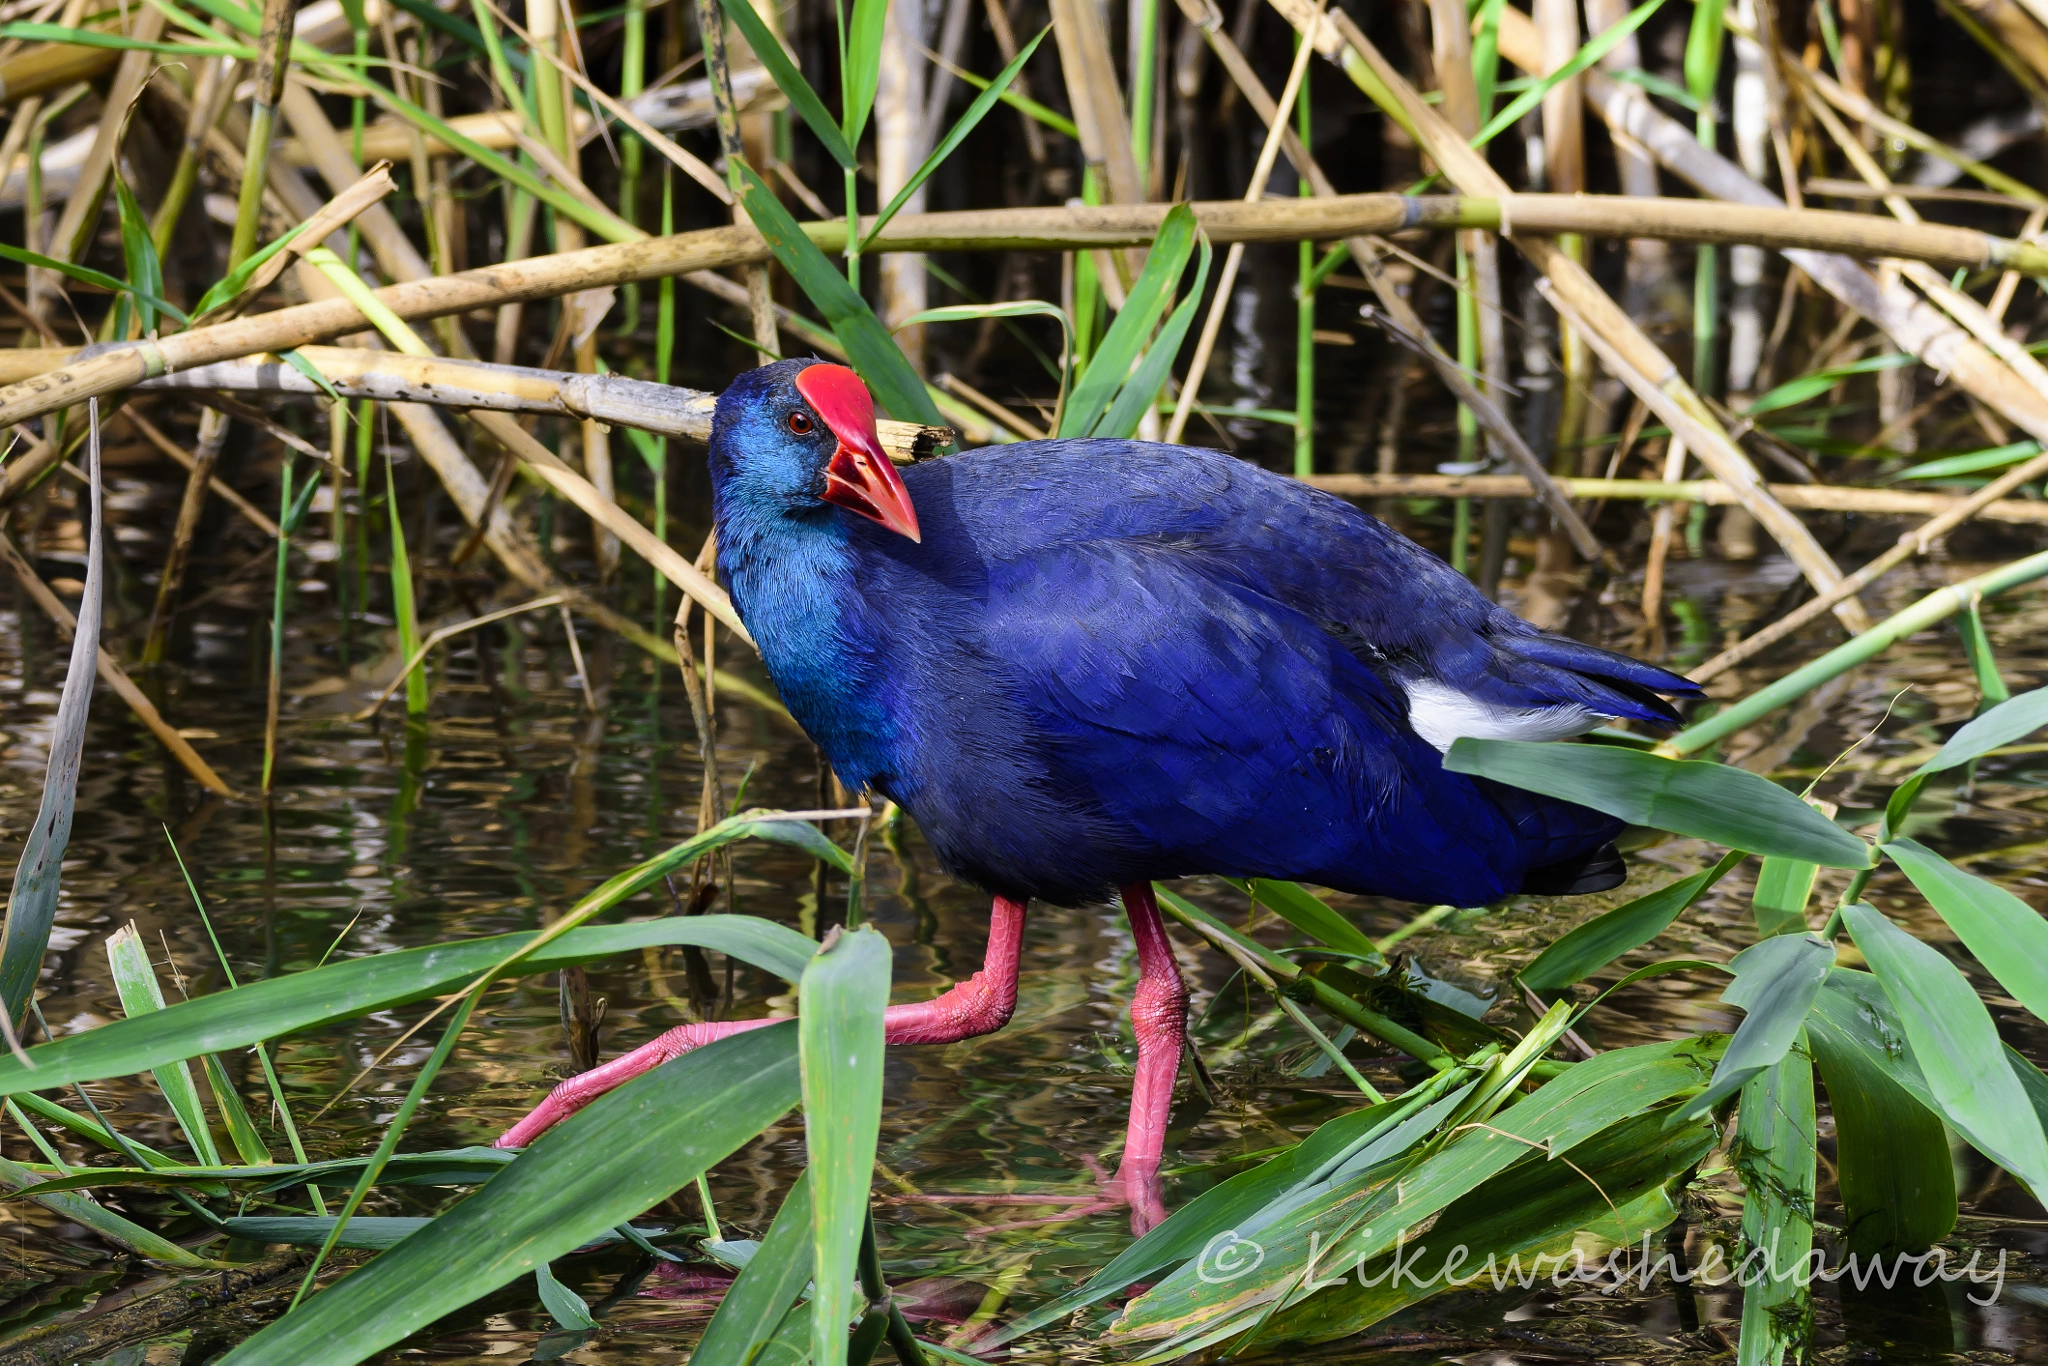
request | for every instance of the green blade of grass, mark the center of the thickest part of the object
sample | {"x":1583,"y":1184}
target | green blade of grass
{"x":84,"y":1210}
{"x":1535,"y":1208}
{"x":1365,"y":1215}
{"x":1708,"y":801}
{"x":790,"y":81}
{"x":1892,"y":1162}
{"x":402,"y":603}
{"x":283,"y":1005}
{"x":1593,"y":945}
{"x":2004,"y":933}
{"x":1111,"y":363}
{"x":955,"y":135}
{"x":145,"y":272}
{"x":1308,"y":913}
{"x":1774,"y":1153}
{"x":770,"y":1282}
{"x":141,"y":996}
{"x":32,"y":905}
{"x":1973,"y":462}
{"x":1783,"y":888}
{"x":1135,"y":399}
{"x":600,"y":1167}
{"x":873,"y":351}
{"x":860,"y":67}
{"x":564,"y":1305}
{"x":845,"y":990}
{"x":1599,"y":47}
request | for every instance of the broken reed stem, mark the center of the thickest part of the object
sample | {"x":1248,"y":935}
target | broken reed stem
{"x":1914,"y":542}
{"x":1936,"y":607}
{"x":213,"y":430}
{"x":273,"y":63}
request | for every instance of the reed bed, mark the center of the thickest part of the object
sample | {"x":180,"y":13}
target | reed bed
{"x":399,"y":296}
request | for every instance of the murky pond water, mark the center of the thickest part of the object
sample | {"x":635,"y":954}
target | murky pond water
{"x":518,"y":798}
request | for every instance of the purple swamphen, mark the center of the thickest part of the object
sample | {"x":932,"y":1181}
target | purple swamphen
{"x":1084,"y":665}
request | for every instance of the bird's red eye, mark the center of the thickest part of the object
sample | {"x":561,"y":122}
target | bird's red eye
{"x":800,"y":424}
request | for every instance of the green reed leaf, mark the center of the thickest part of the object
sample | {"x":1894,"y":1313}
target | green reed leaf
{"x":955,"y":135}
{"x":284,"y":1005}
{"x":1135,"y":399}
{"x":897,"y":388}
{"x":1593,"y":945}
{"x":142,"y":996}
{"x":845,"y":989}
{"x":1309,"y":913}
{"x":1956,"y":1045}
{"x":32,"y":904}
{"x":1708,"y":801}
{"x":771,"y":1281}
{"x":602,"y":1166}
{"x":1146,"y":303}
{"x":1775,"y":984}
{"x":1892,"y":1163}
{"x":1774,"y":1154}
{"x":790,"y":81}
{"x":1599,"y":47}
{"x":2008,"y":936}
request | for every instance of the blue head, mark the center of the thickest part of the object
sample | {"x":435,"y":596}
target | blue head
{"x":791,"y":438}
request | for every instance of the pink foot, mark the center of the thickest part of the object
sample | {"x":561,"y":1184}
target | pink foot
{"x":980,"y":1005}
{"x":1159,"y":1014}
{"x":1140,"y":1192}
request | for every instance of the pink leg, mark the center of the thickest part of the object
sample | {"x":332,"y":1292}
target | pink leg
{"x":980,"y":1005}
{"x":1159,"y":1016}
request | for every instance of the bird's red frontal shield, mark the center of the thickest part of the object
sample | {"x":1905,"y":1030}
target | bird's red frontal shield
{"x":859,"y":477}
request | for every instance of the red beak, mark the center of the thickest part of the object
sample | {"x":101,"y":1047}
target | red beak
{"x":859,"y":477}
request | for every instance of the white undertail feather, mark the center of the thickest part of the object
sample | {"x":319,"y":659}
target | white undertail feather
{"x":1441,"y":714}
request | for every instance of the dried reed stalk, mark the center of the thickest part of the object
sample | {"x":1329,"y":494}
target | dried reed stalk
{"x":1808,"y":497}
{"x":1914,"y":326}
{"x":393,"y":377}
{"x":1628,"y":354}
{"x":39,"y":381}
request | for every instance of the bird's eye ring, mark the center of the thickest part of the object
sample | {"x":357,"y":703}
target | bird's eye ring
{"x":800,"y":424}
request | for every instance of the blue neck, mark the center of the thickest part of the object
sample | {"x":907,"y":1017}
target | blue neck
{"x":795,"y":582}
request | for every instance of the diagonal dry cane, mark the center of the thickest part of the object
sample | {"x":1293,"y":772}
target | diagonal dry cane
{"x":1972,"y":316}
{"x":1637,"y":360}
